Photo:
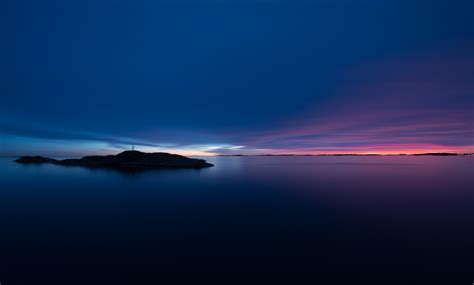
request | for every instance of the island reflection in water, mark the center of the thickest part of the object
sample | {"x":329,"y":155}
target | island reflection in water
{"x":390,"y":218}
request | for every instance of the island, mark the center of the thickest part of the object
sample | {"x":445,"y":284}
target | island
{"x":126,"y":160}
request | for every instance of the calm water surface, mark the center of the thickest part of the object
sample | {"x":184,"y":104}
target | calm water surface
{"x":399,"y":220}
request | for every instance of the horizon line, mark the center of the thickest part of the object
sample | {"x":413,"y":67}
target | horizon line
{"x":281,"y":154}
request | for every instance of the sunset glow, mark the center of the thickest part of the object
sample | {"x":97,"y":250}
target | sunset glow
{"x":248,"y":91}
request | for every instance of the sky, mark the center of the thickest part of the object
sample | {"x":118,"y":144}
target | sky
{"x":208,"y":77}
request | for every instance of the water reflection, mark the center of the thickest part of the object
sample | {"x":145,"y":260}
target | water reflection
{"x":381,"y":216}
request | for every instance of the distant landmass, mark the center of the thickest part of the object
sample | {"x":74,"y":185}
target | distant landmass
{"x":127,"y":160}
{"x":438,"y":153}
{"x":354,"y":154}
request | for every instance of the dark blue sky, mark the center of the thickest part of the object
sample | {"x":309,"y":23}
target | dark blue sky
{"x":220,"y":76}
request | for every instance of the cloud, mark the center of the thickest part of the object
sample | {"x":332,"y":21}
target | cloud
{"x":54,"y":134}
{"x":398,"y":105}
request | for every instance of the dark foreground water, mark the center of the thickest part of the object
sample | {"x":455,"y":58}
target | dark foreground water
{"x":395,"y":220}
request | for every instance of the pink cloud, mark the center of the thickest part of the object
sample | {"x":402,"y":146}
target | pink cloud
{"x":404,"y":105}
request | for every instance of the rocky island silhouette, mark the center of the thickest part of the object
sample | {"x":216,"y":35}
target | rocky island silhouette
{"x":126,"y":160}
